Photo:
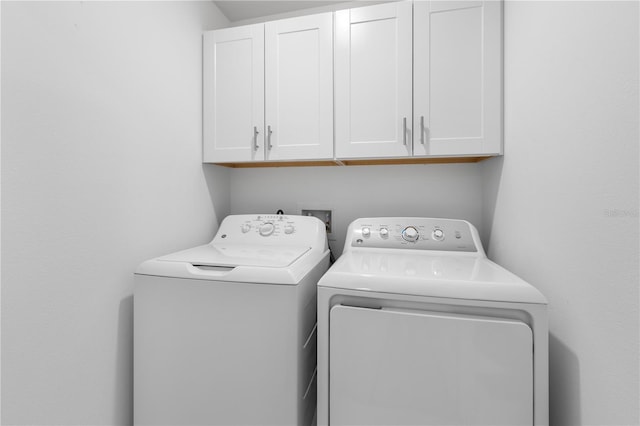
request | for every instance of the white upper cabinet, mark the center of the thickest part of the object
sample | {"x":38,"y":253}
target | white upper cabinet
{"x":404,"y":80}
{"x":268,"y":91}
{"x":299,"y":88}
{"x":373,"y":81}
{"x":457,"y":78}
{"x":233,"y":100}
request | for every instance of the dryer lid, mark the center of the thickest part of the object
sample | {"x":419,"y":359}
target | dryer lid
{"x":235,"y":255}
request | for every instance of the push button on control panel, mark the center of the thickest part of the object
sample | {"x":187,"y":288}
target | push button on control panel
{"x":384,"y":233}
{"x":437,"y":234}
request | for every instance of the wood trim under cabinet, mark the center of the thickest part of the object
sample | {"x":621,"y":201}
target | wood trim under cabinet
{"x":366,"y":162}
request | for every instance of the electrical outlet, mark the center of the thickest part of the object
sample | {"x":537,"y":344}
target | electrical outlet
{"x":323,"y":215}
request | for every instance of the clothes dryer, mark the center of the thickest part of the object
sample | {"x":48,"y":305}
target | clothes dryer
{"x":225,"y":333}
{"x":417,"y":327}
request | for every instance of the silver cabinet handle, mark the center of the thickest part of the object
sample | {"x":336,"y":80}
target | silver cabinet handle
{"x":404,"y":130}
{"x":424,"y":131}
{"x":269,"y":131}
{"x":255,"y":138}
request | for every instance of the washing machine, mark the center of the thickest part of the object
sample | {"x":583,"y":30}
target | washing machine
{"x":416,"y":326}
{"x":225,"y":333}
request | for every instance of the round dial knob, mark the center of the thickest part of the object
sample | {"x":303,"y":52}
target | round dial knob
{"x":267,"y":229}
{"x":366,"y":232}
{"x":410,"y":234}
{"x":438,"y":234}
{"x":288,"y":229}
{"x":384,"y":233}
{"x":245,"y":228}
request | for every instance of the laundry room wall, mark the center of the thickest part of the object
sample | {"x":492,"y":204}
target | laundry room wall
{"x":433,"y":190}
{"x":561,"y":206}
{"x":101,"y":169}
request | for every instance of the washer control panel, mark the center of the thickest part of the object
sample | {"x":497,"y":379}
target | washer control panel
{"x":270,"y":229}
{"x":413,"y":233}
{"x":268,"y":225}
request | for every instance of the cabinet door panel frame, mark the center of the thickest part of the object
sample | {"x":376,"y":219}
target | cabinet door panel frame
{"x":299,"y":87}
{"x":487,"y":138}
{"x":233,"y":94}
{"x":353,"y":137}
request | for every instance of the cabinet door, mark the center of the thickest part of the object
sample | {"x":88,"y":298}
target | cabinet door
{"x":457,"y":77}
{"x":373,"y":81}
{"x":299,"y":87}
{"x":233,"y":84}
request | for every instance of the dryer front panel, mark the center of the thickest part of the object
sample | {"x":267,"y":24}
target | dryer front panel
{"x":409,"y":367}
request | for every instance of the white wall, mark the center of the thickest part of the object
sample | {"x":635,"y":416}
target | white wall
{"x":434,"y":190}
{"x":101,"y":169}
{"x":561,"y":207}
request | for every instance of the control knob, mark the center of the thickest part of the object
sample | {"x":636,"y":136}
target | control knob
{"x":288,"y":229}
{"x":438,"y":234}
{"x":410,"y":234}
{"x":245,"y":228}
{"x":366,"y":231}
{"x":267,"y":229}
{"x":384,"y":233}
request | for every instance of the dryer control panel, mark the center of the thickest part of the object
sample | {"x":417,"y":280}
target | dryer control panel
{"x":413,"y":233}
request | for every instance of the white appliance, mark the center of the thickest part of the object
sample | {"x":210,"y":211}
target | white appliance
{"x":225,"y":333}
{"x":417,"y":327}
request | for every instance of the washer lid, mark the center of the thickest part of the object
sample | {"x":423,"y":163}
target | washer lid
{"x":234,"y":255}
{"x":434,"y":274}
